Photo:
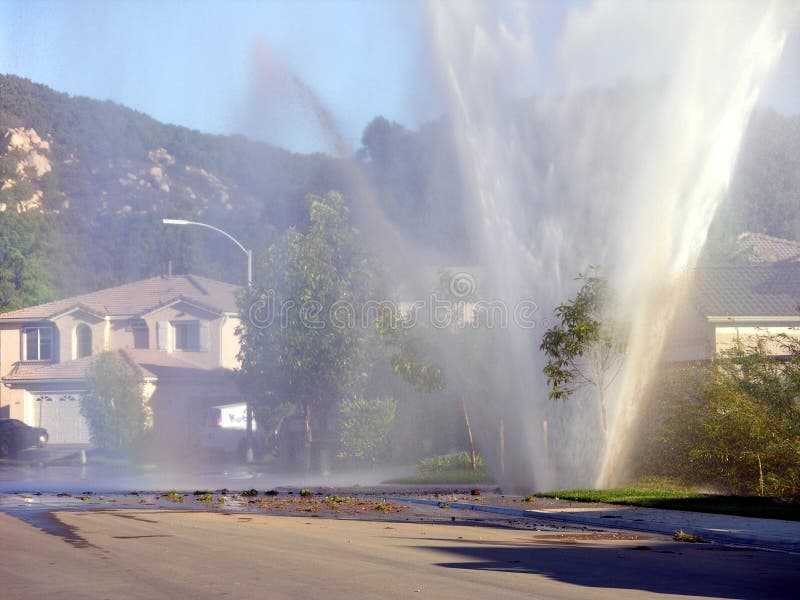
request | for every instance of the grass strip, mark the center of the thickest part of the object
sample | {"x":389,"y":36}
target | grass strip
{"x":684,"y":499}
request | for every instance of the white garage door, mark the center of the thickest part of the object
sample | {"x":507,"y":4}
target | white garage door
{"x":60,"y":414}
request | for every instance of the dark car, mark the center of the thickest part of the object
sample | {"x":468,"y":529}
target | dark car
{"x":16,"y":435}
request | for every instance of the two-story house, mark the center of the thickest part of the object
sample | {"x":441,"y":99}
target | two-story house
{"x":179,"y":330}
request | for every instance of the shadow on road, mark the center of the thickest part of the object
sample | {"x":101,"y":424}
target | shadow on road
{"x":703,"y":570}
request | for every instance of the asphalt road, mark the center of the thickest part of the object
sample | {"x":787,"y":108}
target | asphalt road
{"x":168,"y":554}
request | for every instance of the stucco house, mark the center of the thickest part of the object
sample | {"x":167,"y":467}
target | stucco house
{"x":727,"y":303}
{"x":179,"y":330}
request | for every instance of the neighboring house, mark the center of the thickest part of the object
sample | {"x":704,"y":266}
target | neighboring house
{"x":761,"y":248}
{"x":180,"y":331}
{"x":735,"y":302}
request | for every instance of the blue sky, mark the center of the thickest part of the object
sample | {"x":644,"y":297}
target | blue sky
{"x":192,"y":62}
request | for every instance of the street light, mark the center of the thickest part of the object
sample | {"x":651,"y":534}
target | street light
{"x":249,"y":255}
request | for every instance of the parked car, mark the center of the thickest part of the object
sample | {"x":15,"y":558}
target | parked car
{"x":16,"y":435}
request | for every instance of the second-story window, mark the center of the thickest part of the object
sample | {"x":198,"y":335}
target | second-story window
{"x":187,"y":335}
{"x":83,"y":340}
{"x":141,"y":334}
{"x":190,"y":336}
{"x":37,"y":343}
{"x":183,"y":336}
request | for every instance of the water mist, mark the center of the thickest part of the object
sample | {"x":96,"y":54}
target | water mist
{"x":626,"y":175}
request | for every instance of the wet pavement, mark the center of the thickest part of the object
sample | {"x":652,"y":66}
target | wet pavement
{"x":448,"y":541}
{"x":45,"y":481}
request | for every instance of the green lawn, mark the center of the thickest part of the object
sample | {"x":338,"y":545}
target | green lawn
{"x":684,"y":499}
{"x":480,"y":476}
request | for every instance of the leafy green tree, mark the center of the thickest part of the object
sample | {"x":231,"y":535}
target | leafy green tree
{"x":114,"y":404}
{"x":732,"y":423}
{"x":364,"y":427}
{"x":304,"y":342}
{"x":751,"y":419}
{"x":26,"y":257}
{"x":587,"y":346}
{"x":411,"y":355}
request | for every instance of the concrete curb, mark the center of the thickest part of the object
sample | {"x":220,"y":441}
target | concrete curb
{"x":788,"y":543}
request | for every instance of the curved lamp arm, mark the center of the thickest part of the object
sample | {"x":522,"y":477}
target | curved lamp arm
{"x":248,"y":253}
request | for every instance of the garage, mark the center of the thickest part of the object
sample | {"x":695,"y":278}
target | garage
{"x":60,"y":414}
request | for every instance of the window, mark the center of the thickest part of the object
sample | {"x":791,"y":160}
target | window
{"x":141,"y":334}
{"x":38,"y":343}
{"x":83,"y":341}
{"x":187,"y":335}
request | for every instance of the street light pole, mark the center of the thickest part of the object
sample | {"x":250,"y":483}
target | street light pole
{"x":249,"y":255}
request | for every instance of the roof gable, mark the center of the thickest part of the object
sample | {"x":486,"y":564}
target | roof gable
{"x":78,"y":309}
{"x":139,"y":297}
{"x":185,"y":304}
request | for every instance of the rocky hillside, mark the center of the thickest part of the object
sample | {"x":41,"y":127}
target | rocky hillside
{"x":24,"y":160}
{"x":61,"y":153}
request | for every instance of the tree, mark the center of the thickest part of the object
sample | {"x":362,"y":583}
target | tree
{"x":303,"y":342}
{"x":751,"y":420}
{"x":411,"y":355}
{"x":451,"y":355}
{"x":587,"y":346}
{"x":364,"y":427}
{"x":26,"y":253}
{"x":733,"y":422}
{"x":114,"y":404}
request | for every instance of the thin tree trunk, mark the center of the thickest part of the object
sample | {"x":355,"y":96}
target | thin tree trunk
{"x":473,"y":454}
{"x":309,"y":437}
{"x":502,"y":447}
{"x":760,"y":475}
{"x":603,"y":410}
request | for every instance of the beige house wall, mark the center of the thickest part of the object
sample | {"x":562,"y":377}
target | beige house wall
{"x":229,"y":343}
{"x":727,"y":336}
{"x":690,"y":338}
{"x":120,"y":335}
{"x":10,"y":346}
{"x":12,"y":401}
{"x":222,"y":342}
{"x":67,"y":340}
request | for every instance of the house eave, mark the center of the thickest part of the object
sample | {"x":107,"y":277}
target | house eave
{"x":16,"y":381}
{"x":754,"y":319}
{"x":61,"y":380}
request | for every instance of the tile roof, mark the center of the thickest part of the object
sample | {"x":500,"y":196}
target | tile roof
{"x":765,"y":248}
{"x":153,"y":363}
{"x":37,"y":371}
{"x":158,"y":362}
{"x":765,"y":290}
{"x":133,"y":299}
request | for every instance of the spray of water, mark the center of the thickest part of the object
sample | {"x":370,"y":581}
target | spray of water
{"x":628,"y":177}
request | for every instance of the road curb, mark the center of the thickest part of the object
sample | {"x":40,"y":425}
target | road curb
{"x":721,"y":537}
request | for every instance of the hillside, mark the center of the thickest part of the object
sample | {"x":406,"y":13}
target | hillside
{"x":84,"y":185}
{"x":105,"y":158}
{"x":93,"y":180}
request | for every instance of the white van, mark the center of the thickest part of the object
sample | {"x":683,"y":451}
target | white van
{"x":225,"y":428}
